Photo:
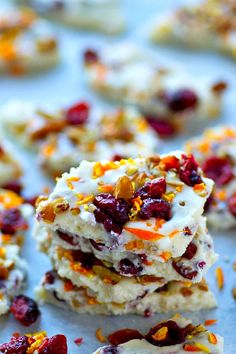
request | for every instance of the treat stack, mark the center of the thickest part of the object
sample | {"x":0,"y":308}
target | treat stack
{"x":128,"y":237}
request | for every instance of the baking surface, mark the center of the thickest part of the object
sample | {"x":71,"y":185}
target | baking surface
{"x":65,"y":84}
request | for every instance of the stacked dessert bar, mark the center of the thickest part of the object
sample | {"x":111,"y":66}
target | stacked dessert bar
{"x":128,"y":236}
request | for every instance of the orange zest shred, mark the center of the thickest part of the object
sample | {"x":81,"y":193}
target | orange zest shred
{"x":84,"y":199}
{"x":210,"y":322}
{"x":174,"y":233}
{"x":100,"y":336}
{"x":68,"y":286}
{"x":70,"y":180}
{"x":212,"y":338}
{"x":136,"y":244}
{"x":144,"y":234}
{"x":106,"y":188}
{"x":161,"y":334}
{"x":165,"y":256}
{"x":196,"y":347}
{"x":220,"y":277}
{"x":100,"y":169}
{"x":48,"y":150}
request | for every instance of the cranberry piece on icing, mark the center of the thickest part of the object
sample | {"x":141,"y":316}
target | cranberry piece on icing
{"x":97,"y":245}
{"x":15,"y":346}
{"x":153,"y":189}
{"x":185,"y":271}
{"x":219,"y":169}
{"x":12,"y":221}
{"x":49,"y":277}
{"x":174,"y":334}
{"x":156,"y":208}
{"x":188,"y":171}
{"x":25,"y":310}
{"x":127,"y":267}
{"x":54,"y":345}
{"x":190,"y":252}
{"x":118,"y":157}
{"x":78,"y":114}
{"x":232,"y":204}
{"x":163,"y":127}
{"x":90,"y":56}
{"x":181,"y":100}
{"x":124,"y":335}
{"x":69,"y":238}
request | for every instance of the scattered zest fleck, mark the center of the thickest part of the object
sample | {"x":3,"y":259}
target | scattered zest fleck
{"x":220,"y":277}
{"x":210,"y":322}
{"x":100,"y":337}
{"x":161,"y":334}
{"x":78,"y":341}
{"x":212,"y":338}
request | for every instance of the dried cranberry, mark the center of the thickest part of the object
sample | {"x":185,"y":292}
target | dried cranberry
{"x":97,"y":245}
{"x":188,"y":172}
{"x":187,"y":231}
{"x":208,"y":203}
{"x":108,"y":223}
{"x":127,"y":267}
{"x":153,"y":189}
{"x":181,"y":100}
{"x":190,"y":252}
{"x":219,"y":169}
{"x":185,"y":271}
{"x":123,"y":336}
{"x":25,"y":310}
{"x":69,"y":238}
{"x":12,"y":221}
{"x":232,"y":204}
{"x":157,"y":208}
{"x":14,"y":186}
{"x":90,"y":56}
{"x":112,"y":212}
{"x":175,"y":334}
{"x":54,"y":345}
{"x":201,"y":264}
{"x":49,"y":277}
{"x":15,"y":346}
{"x":87,"y":260}
{"x":147,"y":313}
{"x":118,"y":157}
{"x":163,"y":127}
{"x":111,"y":349}
{"x":31,"y":200}
{"x":78,"y":114}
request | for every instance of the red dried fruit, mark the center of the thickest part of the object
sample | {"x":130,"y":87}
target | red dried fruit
{"x":147,"y":313}
{"x":87,"y":260}
{"x":118,"y":157}
{"x":190,"y":252}
{"x":185,"y":271}
{"x":181,"y":100}
{"x":78,"y":114}
{"x":25,"y":310}
{"x":31,"y":200}
{"x":54,"y":345}
{"x":219,"y":169}
{"x":17,"y":345}
{"x":153,"y":189}
{"x":49,"y":277}
{"x":67,"y":237}
{"x":232,"y":204}
{"x":156,"y":208}
{"x":174,"y":334}
{"x":97,"y":245}
{"x":12,"y":221}
{"x":90,"y":56}
{"x":124,"y":335}
{"x":112,"y":212}
{"x":126,"y":267}
{"x":163,"y":127}
{"x":14,"y":186}
{"x":188,"y":171}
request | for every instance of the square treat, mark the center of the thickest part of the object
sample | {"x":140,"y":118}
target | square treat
{"x":150,"y":207}
{"x":97,"y":15}
{"x":27,"y":43}
{"x":174,"y":296}
{"x":165,"y":94}
{"x":175,"y":336}
{"x":106,"y":273}
{"x":13,"y":224}
{"x":215,"y":151}
{"x":64,"y":137}
{"x":210,"y":24}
